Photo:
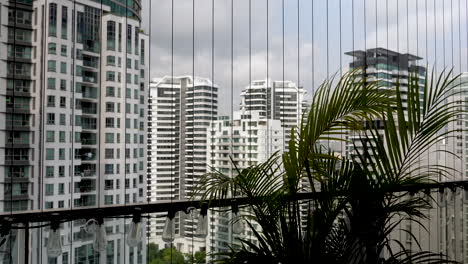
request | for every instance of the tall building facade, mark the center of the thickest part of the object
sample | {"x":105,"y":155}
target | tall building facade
{"x":73,"y":129}
{"x":388,"y":68}
{"x":278,"y":100}
{"x":247,"y":139}
{"x":180,"y":112}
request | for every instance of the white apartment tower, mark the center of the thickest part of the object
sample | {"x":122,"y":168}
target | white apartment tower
{"x":73,"y":130}
{"x":247,"y":139}
{"x":180,"y":112}
{"x":279,"y":100}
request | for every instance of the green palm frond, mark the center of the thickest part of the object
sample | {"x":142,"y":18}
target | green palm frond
{"x":411,"y":130}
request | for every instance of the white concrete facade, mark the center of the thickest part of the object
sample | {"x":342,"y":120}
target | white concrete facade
{"x":87,"y":131}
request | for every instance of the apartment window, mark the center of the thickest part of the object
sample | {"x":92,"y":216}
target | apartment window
{"x":63,"y":101}
{"x":110,"y":60}
{"x":108,"y":199}
{"x":64,"y":22}
{"x":50,"y":118}
{"x":61,"y":204}
{"x":52,"y":19}
{"x":109,"y":122}
{"x":51,"y":83}
{"x":49,"y":171}
{"x":128,"y":93}
{"x":128,"y":108}
{"x":109,"y":153}
{"x":63,"y":50}
{"x":61,"y":154}
{"x":49,"y":189}
{"x":49,"y":205}
{"x":62,"y":136}
{"x":52,"y":48}
{"x":110,"y":107}
{"x":110,"y":76}
{"x":50,"y":154}
{"x":129,"y":38}
{"x":51,"y":101}
{"x":52,"y":66}
{"x":63,"y":84}
{"x":109,"y":138}
{"x":142,"y":52}
{"x":128,"y":78}
{"x":127,"y":122}
{"x":119,"y":41}
{"x":61,"y":188}
{"x":110,"y":35}
{"x":109,"y":168}
{"x":61,"y":172}
{"x":79,"y":70}
{"x":136,"y":80}
{"x":63,"y":67}
{"x":19,"y":35}
{"x":50,"y":136}
{"x":22,"y":17}
{"x":62,"y":119}
{"x":19,"y":52}
{"x":110,"y":91}
{"x":129,"y":63}
{"x":136,"y":39}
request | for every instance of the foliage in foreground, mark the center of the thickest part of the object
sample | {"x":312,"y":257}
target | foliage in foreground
{"x":173,"y":256}
{"x":355,"y":206}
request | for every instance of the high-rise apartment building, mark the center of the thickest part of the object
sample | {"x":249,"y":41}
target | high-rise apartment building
{"x":180,"y":112}
{"x":73,"y":128}
{"x":279,"y":100}
{"x":388,"y":68}
{"x":247,"y":139}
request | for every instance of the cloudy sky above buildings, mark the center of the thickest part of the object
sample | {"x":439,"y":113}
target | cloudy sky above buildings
{"x":306,"y":39}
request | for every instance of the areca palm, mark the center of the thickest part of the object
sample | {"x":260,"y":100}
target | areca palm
{"x":354,"y":199}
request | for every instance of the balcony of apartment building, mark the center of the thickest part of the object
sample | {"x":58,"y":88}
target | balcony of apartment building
{"x":85,"y":186}
{"x":18,"y":122}
{"x":18,"y":104}
{"x":14,"y":191}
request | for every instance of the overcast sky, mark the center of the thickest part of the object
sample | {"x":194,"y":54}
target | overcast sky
{"x":296,"y":55}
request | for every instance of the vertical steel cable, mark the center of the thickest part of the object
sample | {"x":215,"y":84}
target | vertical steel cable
{"x":173,"y":119}
{"x":42,"y":118}
{"x":388,"y":47}
{"x":299,"y":114}
{"x":12,"y":153}
{"x":232,"y":105}
{"x":328,"y":50}
{"x":460,"y":103}
{"x":101,"y":12}
{"x":312,"y":45}
{"x":438,"y":194}
{"x":454,"y":191}
{"x":428,"y":154}
{"x":212,"y":86}
{"x":376,"y":27}
{"x":398,"y":62}
{"x":267,"y":81}
{"x":73,"y":119}
{"x":193,"y":117}
{"x":417,"y":82}
{"x":298,"y":54}
{"x":150,"y":20}
{"x":281,"y":106}
{"x":125,"y":129}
